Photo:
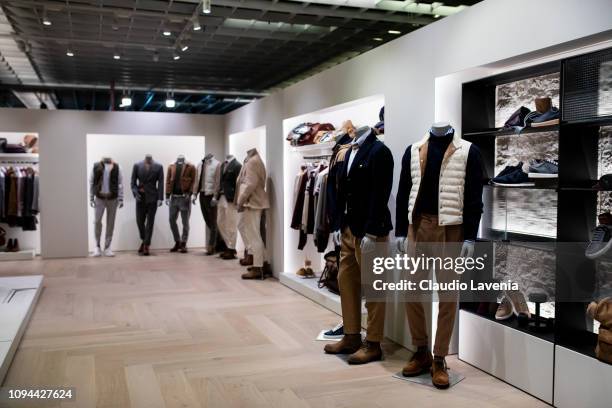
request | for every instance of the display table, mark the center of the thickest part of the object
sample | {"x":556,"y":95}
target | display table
{"x":20,"y":296}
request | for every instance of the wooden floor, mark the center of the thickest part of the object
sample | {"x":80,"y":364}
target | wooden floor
{"x":185,"y":331}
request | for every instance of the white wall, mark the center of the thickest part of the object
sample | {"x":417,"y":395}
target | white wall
{"x":27,"y":239}
{"x":63,"y":161}
{"x":127,"y":150}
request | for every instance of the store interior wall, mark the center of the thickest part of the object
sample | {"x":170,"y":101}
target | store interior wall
{"x":63,"y":166}
{"x":127,"y":150}
{"x":405,"y":70}
{"x":238,"y":146}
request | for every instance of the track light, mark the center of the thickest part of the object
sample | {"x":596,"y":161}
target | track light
{"x":378,"y":39}
{"x":70,"y":52}
{"x":45,"y":18}
{"x":170,"y":102}
{"x":394,"y":32}
{"x":206,"y":6}
{"x":196,"y":25}
{"x":167,"y":33}
{"x":175,"y":56}
{"x":116,"y":56}
{"x":125,"y":101}
{"x":184,"y":47}
{"x":437,"y":16}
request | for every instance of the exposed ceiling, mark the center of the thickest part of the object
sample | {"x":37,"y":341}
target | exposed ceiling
{"x":68,"y":52}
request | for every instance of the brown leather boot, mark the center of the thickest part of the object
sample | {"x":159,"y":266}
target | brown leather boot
{"x":439,"y":373}
{"x":229,"y":254}
{"x":141,"y":249}
{"x":210,"y":251}
{"x":247,"y":260}
{"x":349,"y":344}
{"x":369,"y":351}
{"x":145,"y":251}
{"x":418,"y":364}
{"x":256,"y":272}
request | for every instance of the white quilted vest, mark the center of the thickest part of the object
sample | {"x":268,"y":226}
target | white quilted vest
{"x":452,"y":180}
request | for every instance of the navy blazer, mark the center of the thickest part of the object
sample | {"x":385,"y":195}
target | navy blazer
{"x":363,"y":193}
{"x":148,"y":185}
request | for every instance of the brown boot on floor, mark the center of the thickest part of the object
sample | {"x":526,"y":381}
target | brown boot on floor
{"x":369,"y":351}
{"x":247,"y":260}
{"x":349,"y":344}
{"x":210,"y":251}
{"x":145,"y":251}
{"x":141,"y":249}
{"x":256,"y":272}
{"x":229,"y":254}
{"x":439,"y":373}
{"x":419,"y":363}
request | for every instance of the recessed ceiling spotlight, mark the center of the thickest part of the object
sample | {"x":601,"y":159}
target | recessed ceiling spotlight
{"x":196,"y":25}
{"x":170,"y":102}
{"x":184,"y":47}
{"x":125,"y":101}
{"x":394,"y":32}
{"x":206,"y":6}
{"x":45,"y":18}
{"x":175,"y":56}
{"x":437,"y":16}
{"x":117,"y":56}
{"x":378,"y":39}
{"x":70,"y":52}
{"x":167,"y":33}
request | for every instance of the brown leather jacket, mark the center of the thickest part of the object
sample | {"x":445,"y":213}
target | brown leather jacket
{"x":188,"y":178}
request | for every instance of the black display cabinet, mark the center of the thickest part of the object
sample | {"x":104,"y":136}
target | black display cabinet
{"x":557,"y":217}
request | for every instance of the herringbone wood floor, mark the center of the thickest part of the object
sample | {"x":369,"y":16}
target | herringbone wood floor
{"x":184,"y":331}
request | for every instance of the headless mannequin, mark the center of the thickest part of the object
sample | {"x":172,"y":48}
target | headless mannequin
{"x":207,"y":158}
{"x":439,"y":129}
{"x":106,"y":160}
{"x":149,"y":160}
{"x":180,"y":160}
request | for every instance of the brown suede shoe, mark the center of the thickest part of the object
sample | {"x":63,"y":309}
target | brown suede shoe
{"x":210,"y":251}
{"x":229,"y":254}
{"x":418,"y":364}
{"x":256,"y":272}
{"x":247,"y":260}
{"x":439,"y":374}
{"x":349,"y":344}
{"x":369,"y":351}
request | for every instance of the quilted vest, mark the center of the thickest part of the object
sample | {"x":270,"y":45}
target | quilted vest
{"x":452,"y":179}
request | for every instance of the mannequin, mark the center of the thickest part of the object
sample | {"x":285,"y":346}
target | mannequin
{"x":147,"y":185}
{"x":364,"y":181}
{"x":439,"y":200}
{"x":180,"y":182}
{"x":251,"y":199}
{"x":207,"y":179}
{"x":105,"y":195}
{"x":227,"y":214}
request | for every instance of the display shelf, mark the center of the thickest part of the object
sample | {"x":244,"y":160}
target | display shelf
{"x":23,"y":255}
{"x":511,"y":132}
{"x":15,"y":315}
{"x":535,"y":187}
{"x":580,"y":341}
{"x":314,"y":148}
{"x":512,"y":323}
{"x":19,"y":156}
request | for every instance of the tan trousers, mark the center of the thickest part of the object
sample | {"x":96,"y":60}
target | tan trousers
{"x":227,"y":222}
{"x":349,"y":282}
{"x":423,"y":230}
{"x":249,"y":226}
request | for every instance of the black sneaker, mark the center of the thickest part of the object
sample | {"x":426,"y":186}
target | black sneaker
{"x":335,"y":333}
{"x":600,"y":242}
{"x":512,"y":178}
{"x":509,"y":169}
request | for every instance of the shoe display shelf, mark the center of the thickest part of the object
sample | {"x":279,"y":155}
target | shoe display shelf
{"x":22,"y":255}
{"x":18,"y":297}
{"x":361,"y":112}
{"x":558,"y":367}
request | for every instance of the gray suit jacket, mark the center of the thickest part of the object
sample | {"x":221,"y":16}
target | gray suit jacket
{"x":148,"y":185}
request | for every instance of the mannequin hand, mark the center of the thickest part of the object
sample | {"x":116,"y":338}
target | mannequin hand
{"x":167,"y":201}
{"x":337,"y":238}
{"x":120,"y":203}
{"x":401,"y":244}
{"x":92,"y":203}
{"x":467,"y":250}
{"x":213,"y":202}
{"x":367,"y":244}
{"x":159,"y":203}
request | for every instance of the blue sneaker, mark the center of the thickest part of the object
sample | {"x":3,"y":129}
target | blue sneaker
{"x":335,"y":333}
{"x":548,"y":118}
{"x":513,"y":178}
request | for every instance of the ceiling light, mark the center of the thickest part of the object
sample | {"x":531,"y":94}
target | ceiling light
{"x":184,"y":47}
{"x":395,"y":32}
{"x":196,"y":25}
{"x":125,"y":102}
{"x":170,"y":102}
{"x":117,"y":56}
{"x":167,"y":33}
{"x":70,"y":52}
{"x":176,"y":57}
{"x":45,"y":19}
{"x":437,"y":16}
{"x":378,"y":39}
{"x":206,"y":6}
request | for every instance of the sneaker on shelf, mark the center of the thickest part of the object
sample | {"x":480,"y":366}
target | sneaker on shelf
{"x":108,"y":252}
{"x":518,"y":303}
{"x":600,"y":242}
{"x":97,"y":252}
{"x":548,"y":118}
{"x":512,"y":177}
{"x":504,"y":310}
{"x":543,"y":169}
{"x":605,"y":218}
{"x":336,"y":333}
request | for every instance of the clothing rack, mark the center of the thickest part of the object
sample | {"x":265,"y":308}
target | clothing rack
{"x":320,"y":157}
